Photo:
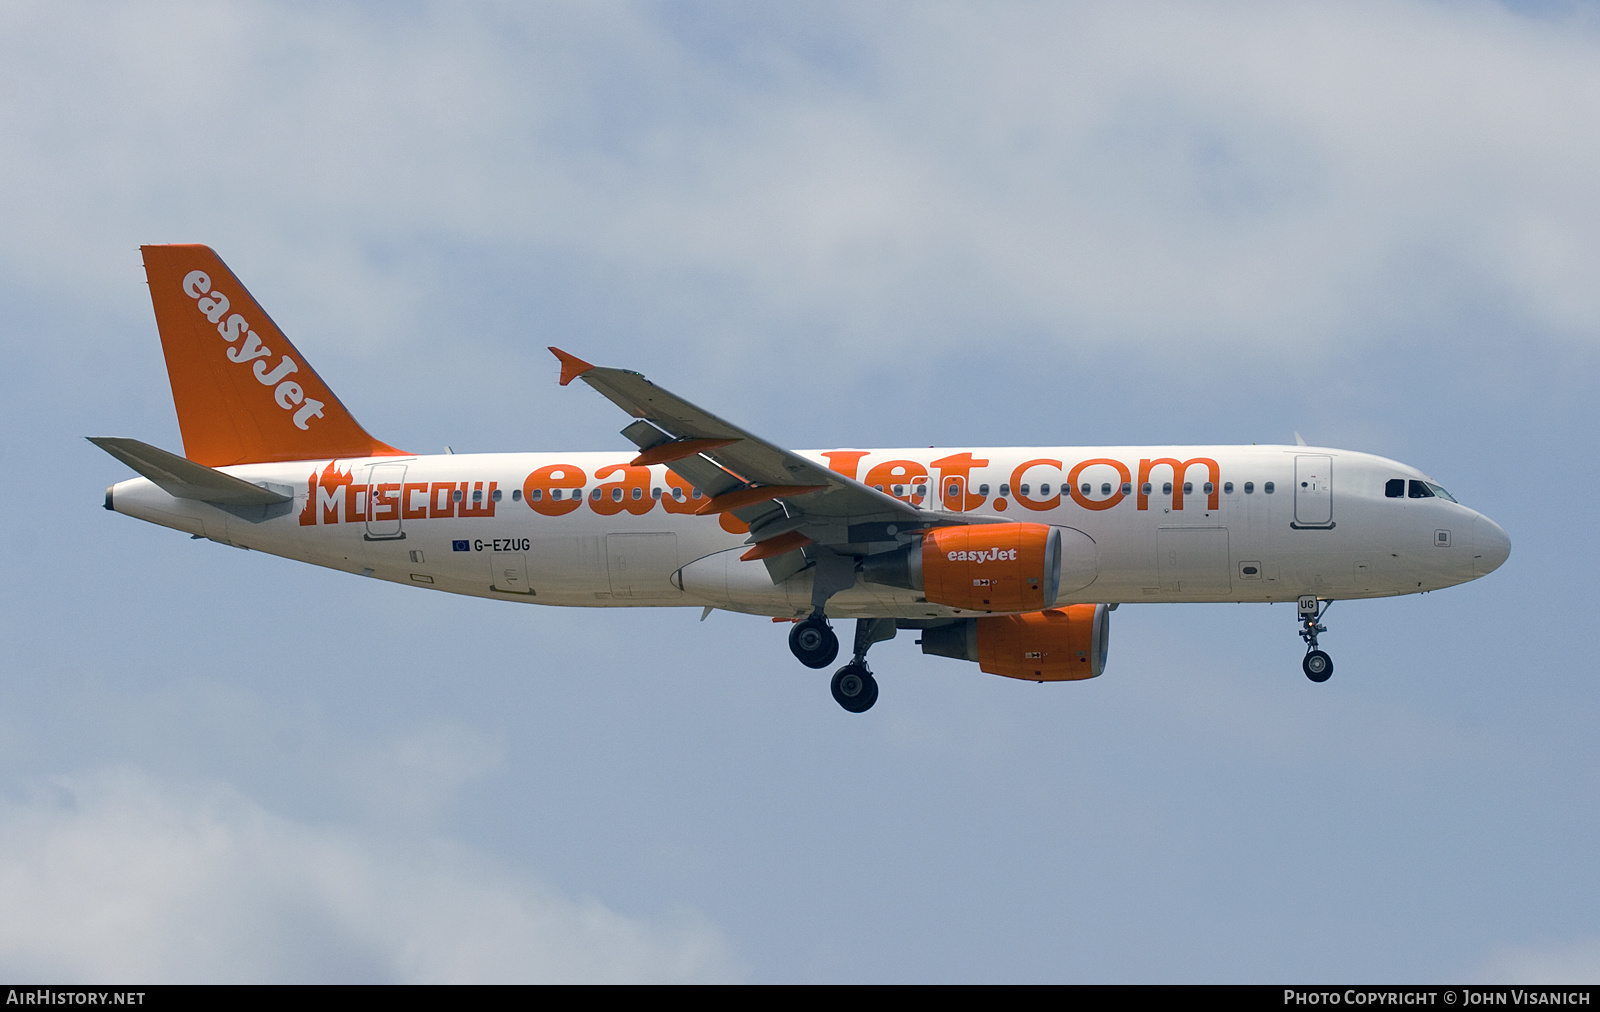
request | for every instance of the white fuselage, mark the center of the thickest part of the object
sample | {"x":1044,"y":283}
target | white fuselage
{"x":1326,"y":527}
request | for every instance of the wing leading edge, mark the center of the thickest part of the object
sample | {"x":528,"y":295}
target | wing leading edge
{"x":792,"y":505}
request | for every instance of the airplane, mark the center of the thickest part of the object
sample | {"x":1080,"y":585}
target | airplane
{"x":1009,"y":557}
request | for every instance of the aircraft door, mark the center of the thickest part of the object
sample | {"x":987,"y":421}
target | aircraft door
{"x":952,"y":492}
{"x":384,"y":485}
{"x":1313,"y":490}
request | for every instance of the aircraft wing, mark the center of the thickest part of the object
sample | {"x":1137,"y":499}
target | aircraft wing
{"x":788,"y":501}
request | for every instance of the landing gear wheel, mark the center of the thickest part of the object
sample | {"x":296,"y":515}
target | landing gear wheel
{"x":813,"y":642}
{"x":854,"y":688}
{"x":1318,"y":666}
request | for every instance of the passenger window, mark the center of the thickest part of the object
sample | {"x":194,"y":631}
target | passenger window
{"x":1086,"y":488}
{"x":983,"y":490}
{"x":1420,"y":490}
{"x":1188,"y":488}
{"x":1394,"y":488}
{"x":496,"y":495}
{"x":1166,"y":488}
{"x":1227,"y":487}
{"x":595,"y":495}
{"x":1208,"y":488}
{"x":1127,"y":488}
{"x":1022,"y":489}
{"x":1043,"y":489}
{"x":1105,"y":489}
{"x":638,"y":493}
{"x":538,"y":494}
{"x":655,"y":493}
{"x":1268,"y":488}
{"x":456,"y":495}
{"x":953,"y":491}
{"x":1145,"y":488}
{"x":1005,"y":488}
{"x":516,"y":495}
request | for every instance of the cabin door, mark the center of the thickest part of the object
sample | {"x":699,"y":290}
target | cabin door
{"x":1313,"y":490}
{"x":385,"y":482}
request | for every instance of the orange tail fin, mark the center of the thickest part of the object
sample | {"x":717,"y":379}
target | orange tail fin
{"x":244,"y":394}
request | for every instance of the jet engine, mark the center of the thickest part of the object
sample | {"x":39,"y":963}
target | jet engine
{"x":985,"y":567}
{"x":1055,"y":645}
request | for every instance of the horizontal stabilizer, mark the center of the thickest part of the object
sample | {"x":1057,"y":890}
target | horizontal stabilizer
{"x":183,"y":478}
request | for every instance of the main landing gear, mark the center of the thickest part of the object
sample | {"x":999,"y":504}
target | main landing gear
{"x":815,"y":644}
{"x":1318,"y":666}
{"x":813,"y":641}
{"x":853,"y":686}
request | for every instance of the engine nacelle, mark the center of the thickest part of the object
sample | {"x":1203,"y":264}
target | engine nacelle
{"x":985,"y":567}
{"x":1057,"y":645}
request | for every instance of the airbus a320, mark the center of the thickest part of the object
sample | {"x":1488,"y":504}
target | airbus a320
{"x":1009,"y":557}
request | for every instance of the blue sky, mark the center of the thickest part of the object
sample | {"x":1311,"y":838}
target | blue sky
{"x":1375,"y":224}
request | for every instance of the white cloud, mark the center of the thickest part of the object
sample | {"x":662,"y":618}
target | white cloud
{"x":1572,"y":963}
{"x":116,"y":876}
{"x":1252,"y":173}
{"x":414,"y":775}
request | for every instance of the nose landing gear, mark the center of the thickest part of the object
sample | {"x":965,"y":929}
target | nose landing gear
{"x":1317,"y":665}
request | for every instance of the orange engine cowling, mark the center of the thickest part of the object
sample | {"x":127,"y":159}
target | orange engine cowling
{"x":1057,"y":645}
{"x":992,"y":567}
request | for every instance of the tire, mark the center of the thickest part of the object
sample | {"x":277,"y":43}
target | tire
{"x":854,"y":688}
{"x":813,"y":643}
{"x":1318,"y":666}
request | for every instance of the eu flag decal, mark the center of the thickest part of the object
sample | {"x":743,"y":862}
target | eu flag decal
{"x":460,"y":546}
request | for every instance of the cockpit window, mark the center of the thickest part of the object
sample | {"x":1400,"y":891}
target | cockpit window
{"x":1428,"y":490}
{"x":1395,"y":488}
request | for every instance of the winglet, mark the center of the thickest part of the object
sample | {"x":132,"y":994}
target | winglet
{"x":571,"y":366}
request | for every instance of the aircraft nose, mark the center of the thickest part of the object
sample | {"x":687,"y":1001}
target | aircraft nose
{"x":1491,"y":546}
